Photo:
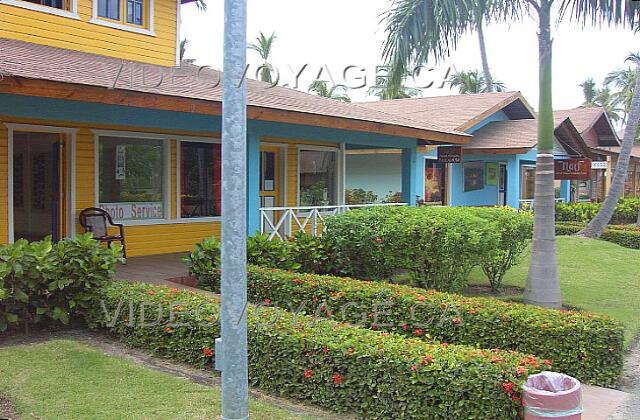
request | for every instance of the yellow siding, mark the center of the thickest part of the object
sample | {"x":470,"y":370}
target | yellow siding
{"x":4,"y":210}
{"x":57,"y":31}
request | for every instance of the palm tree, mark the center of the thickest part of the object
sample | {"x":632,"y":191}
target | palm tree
{"x":337,"y":92}
{"x":600,"y":97}
{"x":263,"y":47}
{"x":393,"y":87}
{"x":623,"y":80}
{"x":419,"y":29}
{"x":596,"y":227}
{"x":590,"y":92}
{"x":470,"y":81}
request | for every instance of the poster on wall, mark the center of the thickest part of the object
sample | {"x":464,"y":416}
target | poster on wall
{"x":473,"y":176}
{"x":121,"y":162}
{"x":493,"y":173}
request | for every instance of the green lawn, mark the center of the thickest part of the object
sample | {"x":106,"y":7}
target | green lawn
{"x":66,"y":379}
{"x":595,"y":276}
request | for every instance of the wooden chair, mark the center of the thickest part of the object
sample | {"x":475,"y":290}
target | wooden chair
{"x":97,"y":221}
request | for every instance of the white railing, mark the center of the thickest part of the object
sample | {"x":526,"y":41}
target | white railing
{"x":284,"y":222}
{"x":530,"y":204}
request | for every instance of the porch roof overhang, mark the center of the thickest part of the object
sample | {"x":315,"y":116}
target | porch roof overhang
{"x":42,"y":71}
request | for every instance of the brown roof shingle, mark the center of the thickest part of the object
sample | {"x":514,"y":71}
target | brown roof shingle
{"x":454,"y":112}
{"x":41,"y":62}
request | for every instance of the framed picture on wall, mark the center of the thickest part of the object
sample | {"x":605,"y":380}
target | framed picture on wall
{"x":493,"y":173}
{"x":473,"y":176}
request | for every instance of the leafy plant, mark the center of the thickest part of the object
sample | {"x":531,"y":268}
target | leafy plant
{"x":204,"y":263}
{"x":266,"y":253}
{"x":346,"y":369}
{"x":627,"y":236}
{"x":585,"y":345}
{"x":626,"y":211}
{"x":359,"y":196}
{"x":46,"y":281}
{"x":313,"y":254}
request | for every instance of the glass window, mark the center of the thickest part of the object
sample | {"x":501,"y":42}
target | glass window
{"x":134,"y":12}
{"x":56,"y":4}
{"x":318,"y":178}
{"x":200,"y":172}
{"x":528,"y":182}
{"x":109,"y":9}
{"x":131,"y":178}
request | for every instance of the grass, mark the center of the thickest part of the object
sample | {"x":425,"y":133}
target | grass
{"x":595,"y":276}
{"x":65,"y":379}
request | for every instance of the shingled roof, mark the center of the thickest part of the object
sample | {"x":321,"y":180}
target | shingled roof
{"x":32,"y":61}
{"x":456,"y":112}
{"x":587,"y":117}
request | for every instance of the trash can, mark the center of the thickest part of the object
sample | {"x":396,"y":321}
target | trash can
{"x":552,"y":395}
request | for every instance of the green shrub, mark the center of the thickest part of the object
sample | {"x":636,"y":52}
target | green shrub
{"x":359,"y":196}
{"x":51,"y":281}
{"x":626,"y":211}
{"x":627,"y":236}
{"x":346,"y":369}
{"x":313,"y":254}
{"x":584,"y":345}
{"x":439,"y":246}
{"x":266,"y":253}
{"x":204,"y":263}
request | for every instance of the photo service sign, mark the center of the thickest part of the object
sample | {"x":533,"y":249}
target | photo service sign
{"x":449,"y":154}
{"x":134,"y":211}
{"x":572,"y":169}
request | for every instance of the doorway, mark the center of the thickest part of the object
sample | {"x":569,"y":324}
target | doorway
{"x":435,"y":183}
{"x":502,"y":185}
{"x":270,"y":186}
{"x":38,"y":180}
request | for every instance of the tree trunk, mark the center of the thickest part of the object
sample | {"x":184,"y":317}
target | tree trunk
{"x":596,"y":227}
{"x":488,"y":80}
{"x":543,"y":285}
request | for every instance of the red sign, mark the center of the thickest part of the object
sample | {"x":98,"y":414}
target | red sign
{"x":572,"y":169}
{"x":449,"y":154}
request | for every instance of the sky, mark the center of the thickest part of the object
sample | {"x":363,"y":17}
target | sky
{"x":336,"y":34}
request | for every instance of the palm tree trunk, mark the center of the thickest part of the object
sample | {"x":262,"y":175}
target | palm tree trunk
{"x":543,"y":286}
{"x":596,"y":227}
{"x":488,"y":80}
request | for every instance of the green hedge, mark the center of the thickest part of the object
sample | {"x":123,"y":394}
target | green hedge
{"x":587,"y":346}
{"x":627,"y":236}
{"x":47,"y":282}
{"x":626,"y":211}
{"x":438,"y":246}
{"x":377,"y":375}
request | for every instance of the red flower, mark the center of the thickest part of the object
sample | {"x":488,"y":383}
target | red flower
{"x":428,"y":358}
{"x":421,"y":298}
{"x":378,"y":240}
{"x":431,"y":292}
{"x":308,"y":373}
{"x":473,"y":312}
{"x":385,"y":334}
{"x":267,"y":301}
{"x":445,"y":345}
{"x":547,"y":362}
{"x":337,"y":378}
{"x":349,"y":352}
{"x":508,"y":386}
{"x":520,"y":370}
{"x":167,"y":329}
{"x":325,"y":349}
{"x":457,"y":320}
{"x":405,"y":326}
{"x":174,"y":290}
{"x":418,"y":332}
{"x":207,"y":352}
{"x":515,"y":398}
{"x":151,"y":292}
{"x":414,"y":368}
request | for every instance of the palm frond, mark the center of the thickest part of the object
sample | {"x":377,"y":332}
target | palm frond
{"x":597,"y":12}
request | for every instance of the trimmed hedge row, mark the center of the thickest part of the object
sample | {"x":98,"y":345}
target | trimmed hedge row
{"x":346,"y":369}
{"x":627,"y":236}
{"x":587,"y":346}
{"x":626,"y":211}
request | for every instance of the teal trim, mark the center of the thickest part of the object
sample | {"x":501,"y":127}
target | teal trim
{"x":409,"y":175}
{"x":497,"y":116}
{"x":253,"y":183}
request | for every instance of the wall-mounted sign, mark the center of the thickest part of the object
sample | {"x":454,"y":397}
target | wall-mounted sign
{"x":449,"y":154}
{"x":599,"y":164}
{"x":572,"y":169}
{"x":121,"y":162}
{"x":134,"y":211}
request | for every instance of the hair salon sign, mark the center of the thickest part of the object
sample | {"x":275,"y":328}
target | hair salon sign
{"x":572,"y":169}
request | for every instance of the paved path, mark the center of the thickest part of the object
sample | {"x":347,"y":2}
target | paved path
{"x":630,"y":409}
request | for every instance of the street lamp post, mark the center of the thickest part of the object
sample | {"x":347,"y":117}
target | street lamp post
{"x":231,"y":348}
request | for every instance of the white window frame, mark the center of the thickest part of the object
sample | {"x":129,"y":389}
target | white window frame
{"x":70,"y":172}
{"x":179,"y":141}
{"x":97,"y":20}
{"x":166,"y":182}
{"x":339,"y":182}
{"x":71,"y":14}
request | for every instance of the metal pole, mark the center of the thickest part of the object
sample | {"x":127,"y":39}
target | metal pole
{"x":231,"y":350}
